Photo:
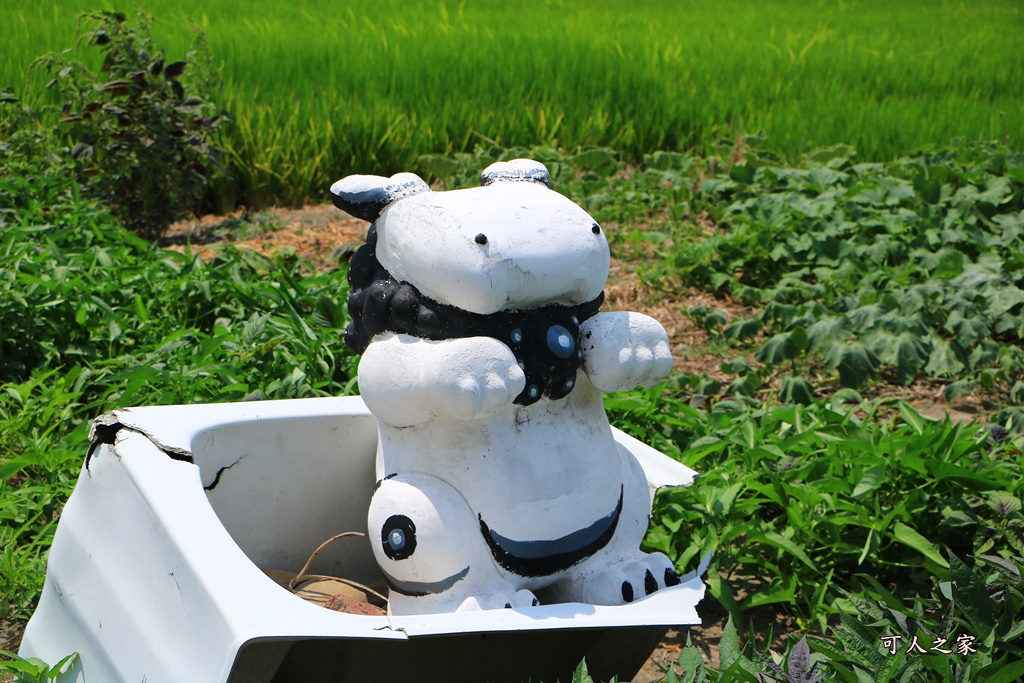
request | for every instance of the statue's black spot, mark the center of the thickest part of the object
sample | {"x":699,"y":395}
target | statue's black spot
{"x":627,"y":591}
{"x":398,"y":537}
{"x":429,"y":324}
{"x":650,"y":583}
{"x":404,"y":306}
{"x":481,"y":238}
{"x":671,"y":577}
{"x":596,"y":229}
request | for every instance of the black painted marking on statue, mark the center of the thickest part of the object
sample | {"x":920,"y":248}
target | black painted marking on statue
{"x":671,"y":577}
{"x":381,"y":481}
{"x":480,"y":239}
{"x":398,"y":537}
{"x":543,"y":558}
{"x":650,"y":583}
{"x":417,"y":589}
{"x":535,"y":173}
{"x":627,"y":591}
{"x":596,"y":229}
{"x":368,"y":203}
{"x":545,"y":340}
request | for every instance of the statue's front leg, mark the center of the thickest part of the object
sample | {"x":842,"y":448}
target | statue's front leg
{"x":624,"y":350}
{"x":407,"y":380}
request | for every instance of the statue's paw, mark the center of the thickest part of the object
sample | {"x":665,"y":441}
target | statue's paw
{"x":631,"y":580}
{"x":480,"y":379}
{"x":501,"y":599}
{"x":624,"y":350}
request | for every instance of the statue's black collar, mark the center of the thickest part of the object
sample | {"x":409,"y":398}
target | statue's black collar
{"x":545,"y":340}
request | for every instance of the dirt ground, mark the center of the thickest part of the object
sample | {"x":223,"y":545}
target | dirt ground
{"x":322,"y":233}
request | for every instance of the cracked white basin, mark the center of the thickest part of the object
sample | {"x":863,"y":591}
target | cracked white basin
{"x":156,"y":569}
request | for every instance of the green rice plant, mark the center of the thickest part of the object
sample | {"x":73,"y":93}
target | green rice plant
{"x":323,"y":91}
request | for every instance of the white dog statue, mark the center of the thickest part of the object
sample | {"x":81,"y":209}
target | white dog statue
{"x":484,"y":361}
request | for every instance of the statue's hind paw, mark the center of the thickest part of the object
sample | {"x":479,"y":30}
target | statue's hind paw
{"x":502,"y":599}
{"x":630,"y":580}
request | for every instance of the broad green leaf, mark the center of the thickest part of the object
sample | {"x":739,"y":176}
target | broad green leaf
{"x":581,"y":675}
{"x":742,"y":173}
{"x":778,"y":349}
{"x":909,"y":537}
{"x":738,"y":366}
{"x":943,"y":360}
{"x":870,"y":546}
{"x":1008,"y":673}
{"x":779,"y":591}
{"x":971,"y":596}
{"x":779,"y":541}
{"x":62,"y":666}
{"x":871,"y":479}
{"x":912,"y":417}
{"x":949,"y":266}
{"x":911,"y":355}
{"x":743,"y":329}
{"x":691,"y":663}
{"x":960,"y":388}
{"x":963,"y":476}
{"x":854,"y":361}
{"x":327,"y":313}
{"x":600,"y":160}
{"x":438,"y":165}
{"x":827,"y":331}
{"x":796,"y":390}
{"x":729,"y":645}
{"x":1002,"y":299}
{"x":929,"y":190}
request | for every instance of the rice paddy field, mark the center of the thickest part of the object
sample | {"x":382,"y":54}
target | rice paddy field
{"x":318,"y":90}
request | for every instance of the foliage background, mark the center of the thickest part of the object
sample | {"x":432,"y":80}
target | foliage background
{"x":867,"y":265}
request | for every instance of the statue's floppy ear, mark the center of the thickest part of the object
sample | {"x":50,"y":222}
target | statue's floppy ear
{"x":517,"y":170}
{"x":365,"y":196}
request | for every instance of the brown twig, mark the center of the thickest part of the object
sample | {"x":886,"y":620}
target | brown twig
{"x":302,"y":575}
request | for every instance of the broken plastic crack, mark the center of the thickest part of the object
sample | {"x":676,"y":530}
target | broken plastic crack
{"x":105,"y":429}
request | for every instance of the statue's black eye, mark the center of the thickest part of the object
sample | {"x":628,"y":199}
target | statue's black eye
{"x":595,"y":228}
{"x":481,"y":239}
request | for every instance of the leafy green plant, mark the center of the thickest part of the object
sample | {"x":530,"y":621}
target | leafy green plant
{"x":139,"y":144}
{"x":795,"y":499}
{"x":96,"y":318}
{"x":910,"y":268}
{"x":34,"y":670}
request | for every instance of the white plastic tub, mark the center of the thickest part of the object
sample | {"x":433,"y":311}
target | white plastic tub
{"x":156,"y":569}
